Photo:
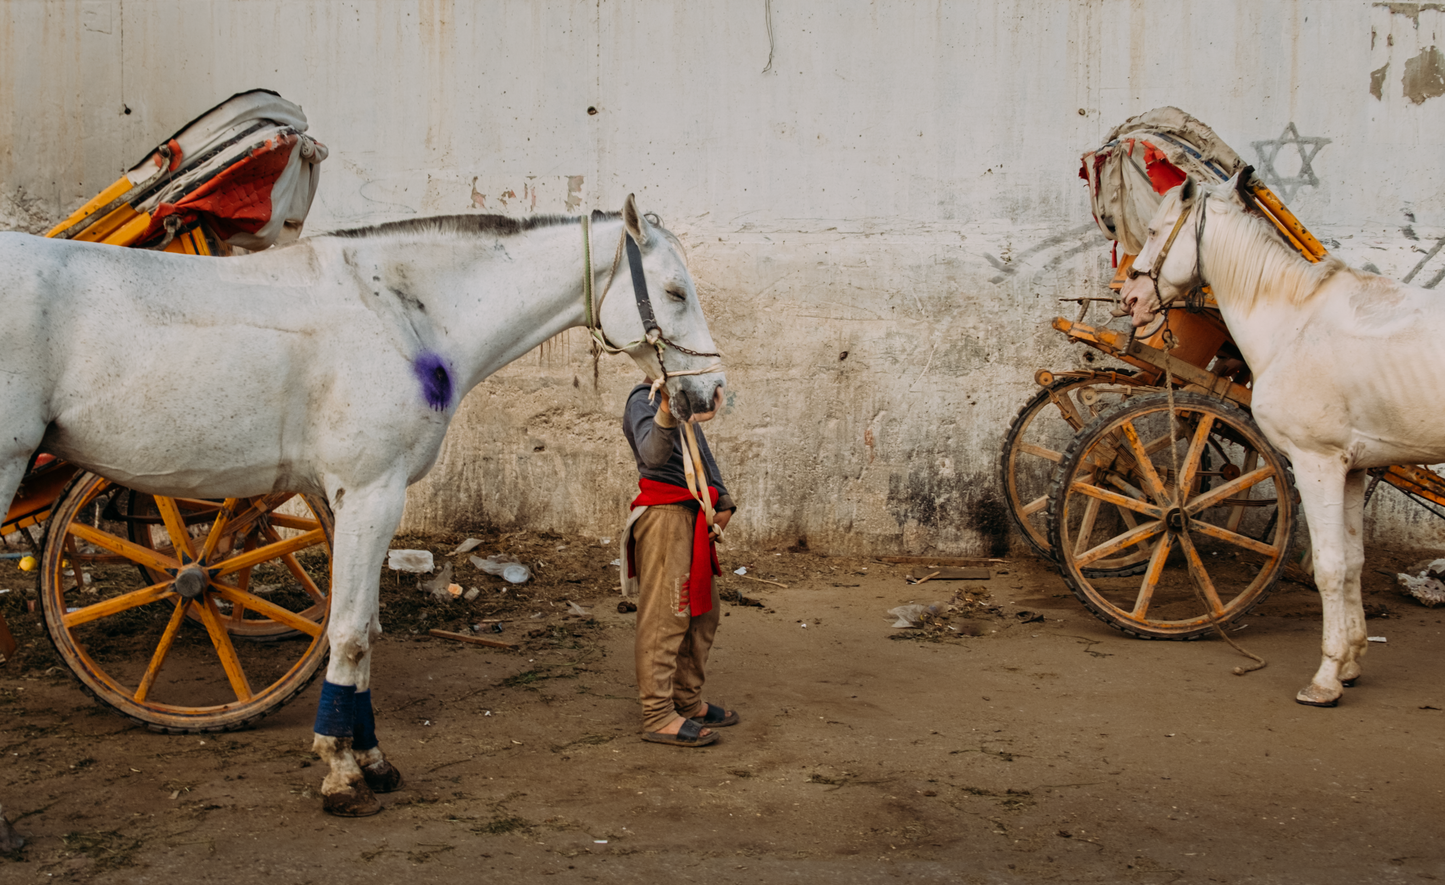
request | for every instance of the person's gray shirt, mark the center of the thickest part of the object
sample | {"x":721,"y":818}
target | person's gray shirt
{"x":658,"y":449}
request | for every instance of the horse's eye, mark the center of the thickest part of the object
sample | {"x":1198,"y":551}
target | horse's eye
{"x":676,"y":294}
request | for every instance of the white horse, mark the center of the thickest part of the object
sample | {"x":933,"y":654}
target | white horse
{"x":1349,"y":374}
{"x":331,"y":367}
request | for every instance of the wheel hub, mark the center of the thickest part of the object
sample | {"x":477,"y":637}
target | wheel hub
{"x":191,"y":582}
{"x":1177,"y":521}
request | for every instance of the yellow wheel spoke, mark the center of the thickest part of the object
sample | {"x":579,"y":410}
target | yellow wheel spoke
{"x":293,"y":565}
{"x":271,"y":551}
{"x":1122,"y":542}
{"x":1200,"y":576}
{"x":1152,"y":485}
{"x":1197,"y":445}
{"x":1220,"y":493}
{"x":218,"y":528}
{"x":1234,"y":538}
{"x":224,"y":649}
{"x":236,"y":596}
{"x":118,"y":604}
{"x":130,"y":550}
{"x":287,"y":521}
{"x":1040,"y":452}
{"x":163,"y":647}
{"x":1151,"y":579}
{"x":176,"y":526}
{"x":1118,"y":500}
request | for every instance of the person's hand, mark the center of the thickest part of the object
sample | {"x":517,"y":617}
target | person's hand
{"x":664,"y":407}
{"x":720,"y":522}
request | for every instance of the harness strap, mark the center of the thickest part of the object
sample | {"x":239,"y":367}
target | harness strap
{"x":695,"y":473}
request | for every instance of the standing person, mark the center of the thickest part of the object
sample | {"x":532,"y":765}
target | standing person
{"x":670,"y":558}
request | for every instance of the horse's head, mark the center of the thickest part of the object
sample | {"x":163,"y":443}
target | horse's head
{"x":1168,"y":268}
{"x":673,"y":343}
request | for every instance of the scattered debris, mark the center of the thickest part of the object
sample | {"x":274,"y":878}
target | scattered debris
{"x":508,"y":568}
{"x":440,"y":585}
{"x":736,"y":598}
{"x":626,"y":606}
{"x":1027,"y":617}
{"x":471,"y":594}
{"x":575,"y":609}
{"x":1376,"y":638}
{"x":415,"y":561}
{"x":466,"y":546}
{"x":742,"y":570}
{"x":941,"y":561}
{"x":764,"y":581}
{"x":1425,"y":582}
{"x":951,"y":618}
{"x":474,"y":640}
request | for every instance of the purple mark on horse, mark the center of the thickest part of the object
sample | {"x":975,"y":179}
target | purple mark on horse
{"x":436,"y":380}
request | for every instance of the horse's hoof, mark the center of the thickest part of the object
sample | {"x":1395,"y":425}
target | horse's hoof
{"x":1314,"y":696}
{"x":356,"y":801}
{"x":382,"y":777}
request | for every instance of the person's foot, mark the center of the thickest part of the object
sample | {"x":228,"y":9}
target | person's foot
{"x":675,"y":725}
{"x":712,"y":715}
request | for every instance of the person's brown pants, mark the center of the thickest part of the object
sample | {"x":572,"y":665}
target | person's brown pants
{"x":672,"y":646}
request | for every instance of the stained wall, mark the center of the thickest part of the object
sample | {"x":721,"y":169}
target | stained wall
{"x":879,"y":200}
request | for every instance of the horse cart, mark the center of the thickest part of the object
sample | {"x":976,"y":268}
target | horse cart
{"x":1166,"y":510}
{"x":187,"y":615}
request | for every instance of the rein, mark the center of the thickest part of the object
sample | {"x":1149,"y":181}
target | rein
{"x":652,"y":333}
{"x":693,"y":469}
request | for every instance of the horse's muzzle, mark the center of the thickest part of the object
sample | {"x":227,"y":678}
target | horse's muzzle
{"x":702,"y":397}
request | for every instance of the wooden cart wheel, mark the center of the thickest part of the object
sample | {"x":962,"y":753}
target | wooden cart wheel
{"x":1216,"y":531}
{"x":148,"y":628}
{"x":1035,"y":445}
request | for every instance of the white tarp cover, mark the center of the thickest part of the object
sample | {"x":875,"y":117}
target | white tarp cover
{"x":245,"y":168}
{"x":1141,"y":160}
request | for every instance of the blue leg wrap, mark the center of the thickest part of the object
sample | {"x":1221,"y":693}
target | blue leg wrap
{"x":336,"y":714}
{"x":364,"y":731}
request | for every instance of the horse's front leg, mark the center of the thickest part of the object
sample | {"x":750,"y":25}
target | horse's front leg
{"x":1357,"y":642}
{"x":1321,"y":482}
{"x":345,"y":737}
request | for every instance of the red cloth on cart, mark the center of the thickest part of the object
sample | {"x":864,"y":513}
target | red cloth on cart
{"x":237,"y":199}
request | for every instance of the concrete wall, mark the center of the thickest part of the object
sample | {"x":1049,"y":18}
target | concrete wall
{"x":880,"y":199}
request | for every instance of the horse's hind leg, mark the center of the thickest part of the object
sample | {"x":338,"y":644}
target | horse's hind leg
{"x":1353,"y":603}
{"x":365,"y":521}
{"x":1321,"y":483}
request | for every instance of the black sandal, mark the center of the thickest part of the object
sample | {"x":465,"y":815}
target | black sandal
{"x":690,"y":735}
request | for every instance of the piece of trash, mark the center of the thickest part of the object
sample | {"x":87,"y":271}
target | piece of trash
{"x":471,"y":594}
{"x":909,"y":615}
{"x":575,"y":609}
{"x":537,"y":616}
{"x":602,"y":841}
{"x":466,"y":637}
{"x":617,"y":563}
{"x":27,"y":563}
{"x":1028,"y":617}
{"x":439,"y":585}
{"x":454,"y":589}
{"x":466,"y":546}
{"x":1376,"y":638}
{"x":625,"y":606}
{"x":508,"y":568}
{"x":414,"y":561}
{"x":1426,"y":583}
{"x":740,"y":571}
{"x":603,"y":542}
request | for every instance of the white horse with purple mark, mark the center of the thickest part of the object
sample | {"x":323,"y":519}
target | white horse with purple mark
{"x":1349,"y":374}
{"x":331,"y":367}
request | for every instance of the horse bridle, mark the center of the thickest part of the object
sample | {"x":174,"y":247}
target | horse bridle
{"x":1194,"y":297}
{"x":652,"y":333}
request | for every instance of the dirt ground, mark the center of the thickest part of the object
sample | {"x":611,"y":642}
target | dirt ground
{"x":1032,"y":750}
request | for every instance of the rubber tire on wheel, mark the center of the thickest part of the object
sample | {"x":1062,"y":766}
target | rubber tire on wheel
{"x":169,"y":663}
{"x":1034,"y":446}
{"x":1234,"y":522}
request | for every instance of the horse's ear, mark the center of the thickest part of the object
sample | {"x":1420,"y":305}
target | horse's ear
{"x":1238,"y":186}
{"x":1188,"y":190}
{"x":636,"y":225}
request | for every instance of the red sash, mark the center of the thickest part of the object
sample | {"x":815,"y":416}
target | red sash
{"x":697,"y":594}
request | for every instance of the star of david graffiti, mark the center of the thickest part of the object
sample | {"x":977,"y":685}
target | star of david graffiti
{"x":1269,"y":150}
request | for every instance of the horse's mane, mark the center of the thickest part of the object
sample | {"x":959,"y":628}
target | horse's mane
{"x":1249,"y":256}
{"x":466,"y":225}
